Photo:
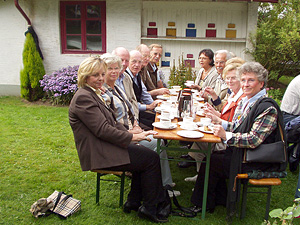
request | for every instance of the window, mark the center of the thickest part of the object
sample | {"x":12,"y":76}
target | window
{"x":83,"y":26}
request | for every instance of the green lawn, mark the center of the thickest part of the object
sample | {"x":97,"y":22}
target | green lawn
{"x":38,"y":156}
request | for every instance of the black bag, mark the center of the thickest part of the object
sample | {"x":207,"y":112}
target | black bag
{"x":268,"y":153}
{"x":165,"y":208}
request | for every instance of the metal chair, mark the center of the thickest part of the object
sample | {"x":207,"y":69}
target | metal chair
{"x":101,"y":173}
{"x":257,"y":183}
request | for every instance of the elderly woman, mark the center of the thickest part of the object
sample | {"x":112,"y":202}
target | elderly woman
{"x":229,"y":75}
{"x":124,"y":113}
{"x":254,"y":123}
{"x":207,"y":75}
{"x":104,"y":143}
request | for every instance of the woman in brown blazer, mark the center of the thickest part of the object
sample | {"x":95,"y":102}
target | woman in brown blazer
{"x":103,"y":143}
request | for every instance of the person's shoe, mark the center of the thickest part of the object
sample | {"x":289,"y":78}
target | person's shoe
{"x":198,"y":209}
{"x":172,"y":185}
{"x":185,"y":156}
{"x":128,"y":206}
{"x":144,"y":213}
{"x":176,"y":193}
{"x":191,"y":179}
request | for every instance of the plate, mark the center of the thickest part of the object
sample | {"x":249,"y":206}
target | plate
{"x":160,"y":126}
{"x":209,"y":132}
{"x":171,"y":117}
{"x":162,"y":97}
{"x":185,"y":128}
{"x":199,"y":113}
{"x":190,"y":134}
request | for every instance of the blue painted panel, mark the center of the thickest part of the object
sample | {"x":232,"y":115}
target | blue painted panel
{"x":165,"y":63}
{"x":190,"y":32}
{"x":191,"y":25}
{"x":167,"y":54}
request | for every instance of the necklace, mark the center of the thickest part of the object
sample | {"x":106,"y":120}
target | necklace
{"x":205,"y":73}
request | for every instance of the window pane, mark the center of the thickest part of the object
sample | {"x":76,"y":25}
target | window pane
{"x":94,"y":43}
{"x":73,"y":11}
{"x":93,"y":27}
{"x":73,"y":27}
{"x":93,"y":11}
{"x":73,"y":42}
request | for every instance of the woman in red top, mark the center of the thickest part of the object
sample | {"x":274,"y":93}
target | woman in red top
{"x":229,"y":75}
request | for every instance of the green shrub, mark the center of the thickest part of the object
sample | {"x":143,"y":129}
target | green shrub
{"x":179,"y":75}
{"x":32,"y":72}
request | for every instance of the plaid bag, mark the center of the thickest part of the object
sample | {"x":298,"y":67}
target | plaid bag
{"x":64,"y":205}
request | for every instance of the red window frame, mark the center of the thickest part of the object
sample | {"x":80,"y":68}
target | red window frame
{"x":83,"y":20}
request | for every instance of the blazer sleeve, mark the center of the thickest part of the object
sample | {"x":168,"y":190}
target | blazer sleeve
{"x":98,"y":119}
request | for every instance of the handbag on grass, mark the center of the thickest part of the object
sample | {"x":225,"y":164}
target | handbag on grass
{"x":268,"y":153}
{"x":64,"y":205}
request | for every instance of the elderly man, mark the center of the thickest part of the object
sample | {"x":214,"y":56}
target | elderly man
{"x":145,"y":101}
{"x":155,"y":55}
{"x":151,"y":88}
{"x":124,"y":79}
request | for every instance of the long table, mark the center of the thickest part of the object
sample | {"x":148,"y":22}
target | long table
{"x":172,"y":135}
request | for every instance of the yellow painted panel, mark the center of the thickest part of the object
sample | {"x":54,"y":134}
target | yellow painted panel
{"x":231,"y":25}
{"x":171,"y":32}
{"x":171,"y":24}
{"x":230,"y":33}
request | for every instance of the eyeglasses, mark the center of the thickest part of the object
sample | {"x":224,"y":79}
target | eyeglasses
{"x":136,"y":62}
{"x":203,"y":58}
{"x":219,"y":62}
{"x":231,"y":78}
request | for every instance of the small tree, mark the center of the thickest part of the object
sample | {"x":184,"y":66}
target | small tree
{"x":179,"y":75}
{"x":32,"y":72}
{"x":276,"y":42}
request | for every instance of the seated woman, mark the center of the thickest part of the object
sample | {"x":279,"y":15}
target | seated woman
{"x":254,"y":123}
{"x":229,"y":75}
{"x":207,"y":75}
{"x":103,"y":143}
{"x":219,"y":94}
{"x":124,"y":112}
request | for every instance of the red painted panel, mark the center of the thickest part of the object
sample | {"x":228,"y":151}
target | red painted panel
{"x":211,"y":33}
{"x":152,"y":32}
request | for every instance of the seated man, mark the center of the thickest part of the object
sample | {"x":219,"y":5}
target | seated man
{"x":145,"y":101}
{"x":155,"y":55}
{"x":151,"y":88}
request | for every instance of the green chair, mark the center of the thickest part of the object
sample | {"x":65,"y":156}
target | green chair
{"x":101,"y":173}
{"x":257,"y":183}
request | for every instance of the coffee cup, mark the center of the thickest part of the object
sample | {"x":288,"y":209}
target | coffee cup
{"x":176,"y":87}
{"x":188,"y":119}
{"x":206,"y":121}
{"x":165,"y":122}
{"x":165,"y":114}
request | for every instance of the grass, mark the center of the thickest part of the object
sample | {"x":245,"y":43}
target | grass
{"x":38,"y":156}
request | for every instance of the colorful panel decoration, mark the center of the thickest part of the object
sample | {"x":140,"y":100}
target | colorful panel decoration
{"x":231,"y":25}
{"x":152,"y":32}
{"x":152,"y":24}
{"x":165,"y":63}
{"x":211,"y":25}
{"x":171,"y":32}
{"x":189,"y":62}
{"x":191,"y":25}
{"x":190,"y":56}
{"x":190,"y":32}
{"x":230,"y":33}
{"x":211,"y":33}
{"x":167,"y":54}
{"x":171,"y":24}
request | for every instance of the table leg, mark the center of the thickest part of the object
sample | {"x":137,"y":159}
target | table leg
{"x":158,"y":146}
{"x":206,"y":180}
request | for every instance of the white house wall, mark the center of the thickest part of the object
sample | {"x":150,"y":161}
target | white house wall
{"x":123,"y":22}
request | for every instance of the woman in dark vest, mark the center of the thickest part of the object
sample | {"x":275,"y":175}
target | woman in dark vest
{"x":255,"y":122}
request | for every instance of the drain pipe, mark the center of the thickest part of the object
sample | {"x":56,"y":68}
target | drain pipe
{"x":22,"y":12}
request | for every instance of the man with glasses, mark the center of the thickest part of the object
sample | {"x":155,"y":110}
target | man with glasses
{"x":144,"y":99}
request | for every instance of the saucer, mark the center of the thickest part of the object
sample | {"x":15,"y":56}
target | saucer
{"x":207,"y":131}
{"x":171,"y":117}
{"x":190,"y":134}
{"x":189,"y":128}
{"x":162,"y":97}
{"x":161,"y":126}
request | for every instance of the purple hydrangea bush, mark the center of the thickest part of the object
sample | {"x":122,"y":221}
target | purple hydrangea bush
{"x":61,"y":85}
